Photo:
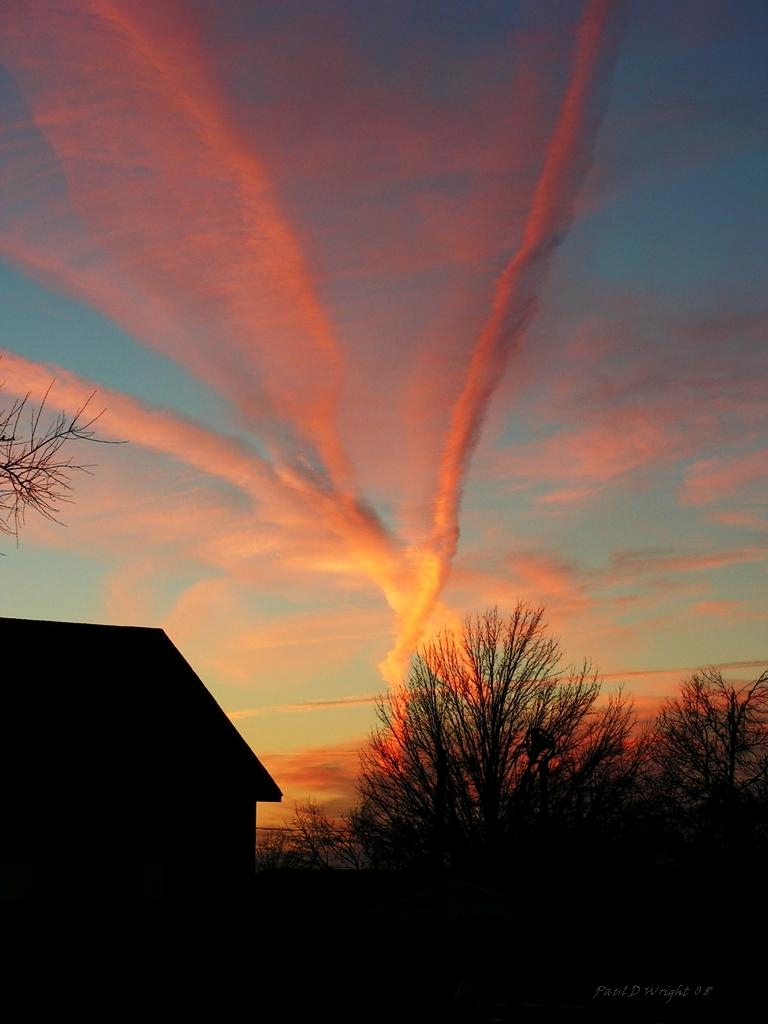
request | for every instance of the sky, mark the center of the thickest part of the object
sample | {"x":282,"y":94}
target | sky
{"x":403,"y":311}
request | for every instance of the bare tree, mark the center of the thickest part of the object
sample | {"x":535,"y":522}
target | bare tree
{"x":272,"y":849}
{"x":311,"y":840}
{"x":36,"y":465}
{"x":488,"y":741}
{"x":711,"y":755}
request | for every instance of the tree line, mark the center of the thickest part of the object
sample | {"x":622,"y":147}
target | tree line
{"x":494,"y":756}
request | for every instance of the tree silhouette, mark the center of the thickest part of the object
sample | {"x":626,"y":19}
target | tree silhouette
{"x":36,"y":469}
{"x":710,"y":750}
{"x":311,"y":840}
{"x":488,"y":743}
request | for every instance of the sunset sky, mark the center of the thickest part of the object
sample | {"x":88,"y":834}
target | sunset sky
{"x":403,"y":310}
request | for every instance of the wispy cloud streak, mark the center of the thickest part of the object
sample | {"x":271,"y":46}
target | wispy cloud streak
{"x":187,"y":247}
{"x":708,"y":480}
{"x":170,"y":195}
{"x":514,"y":303}
{"x":304,"y":706}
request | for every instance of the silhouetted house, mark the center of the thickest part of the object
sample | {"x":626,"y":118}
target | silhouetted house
{"x":121,"y":775}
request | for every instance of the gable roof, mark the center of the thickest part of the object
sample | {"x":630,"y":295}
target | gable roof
{"x":124,"y":695}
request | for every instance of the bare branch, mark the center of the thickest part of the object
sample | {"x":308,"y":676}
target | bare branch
{"x":36,"y":465}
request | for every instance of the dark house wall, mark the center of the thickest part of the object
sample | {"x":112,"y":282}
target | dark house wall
{"x":120,"y":773}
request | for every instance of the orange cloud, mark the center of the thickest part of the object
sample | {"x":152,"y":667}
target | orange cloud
{"x":327,"y":775}
{"x":305,"y":706}
{"x":293,"y":500}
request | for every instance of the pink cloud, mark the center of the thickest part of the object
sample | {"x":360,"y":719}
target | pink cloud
{"x":516,"y":291}
{"x":125,"y":418}
{"x":129,"y":98}
{"x":745,"y":519}
{"x":123,"y":97}
{"x":330,"y":126}
{"x":353,"y":541}
{"x":558,"y":583}
{"x":194,"y":211}
{"x":728,"y":610}
{"x":739,"y":478}
{"x":604,"y":611}
{"x":605,"y":447}
{"x":621,"y":405}
{"x":567,"y":496}
{"x":513,"y":304}
{"x":632,"y":564}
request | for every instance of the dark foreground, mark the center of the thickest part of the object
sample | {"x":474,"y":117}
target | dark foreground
{"x":369,"y":947}
{"x":621,"y":947}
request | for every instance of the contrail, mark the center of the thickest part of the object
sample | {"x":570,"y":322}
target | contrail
{"x":125,"y":84}
{"x":190,"y":90}
{"x":223,"y":240}
{"x":190,"y":218}
{"x":514,"y":303}
{"x":226,"y":458}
